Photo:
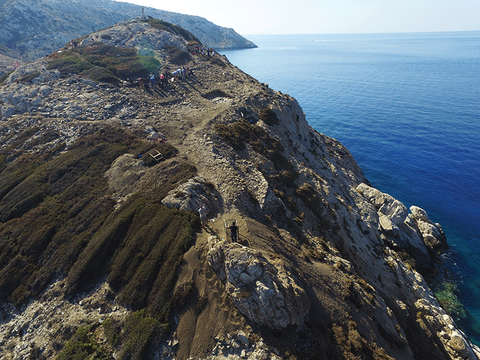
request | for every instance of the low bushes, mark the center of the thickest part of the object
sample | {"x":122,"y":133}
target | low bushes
{"x":5,"y":77}
{"x":269,"y":117}
{"x":177,"y":56}
{"x":174,"y":29}
{"x":28,"y":77}
{"x":102,"y":62}
{"x":139,"y":332}
{"x":83,"y":345}
{"x":240,"y":133}
{"x":149,"y":62}
{"x":57,"y":217}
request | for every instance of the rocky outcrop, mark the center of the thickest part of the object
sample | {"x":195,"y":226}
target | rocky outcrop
{"x":44,"y":324}
{"x":136,"y":34}
{"x":264,"y":292}
{"x":19,"y":99}
{"x":432,"y":233}
{"x":411,"y":232}
{"x":193,"y":195}
{"x":35,"y":29}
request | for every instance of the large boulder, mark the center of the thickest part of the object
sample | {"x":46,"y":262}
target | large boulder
{"x":412,"y":233}
{"x":432,"y":233}
{"x":384,"y":203}
{"x":265,"y":293}
{"x":192,"y":195}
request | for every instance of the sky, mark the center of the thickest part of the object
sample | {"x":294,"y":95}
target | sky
{"x":259,"y":17}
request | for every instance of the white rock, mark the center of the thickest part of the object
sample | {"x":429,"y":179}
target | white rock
{"x":387,"y":225}
{"x":269,"y":296}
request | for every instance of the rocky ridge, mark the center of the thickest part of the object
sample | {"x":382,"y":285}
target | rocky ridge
{"x":326,"y":265}
{"x":34,"y":29}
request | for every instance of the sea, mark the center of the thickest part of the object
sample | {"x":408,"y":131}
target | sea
{"x":407,"y":106}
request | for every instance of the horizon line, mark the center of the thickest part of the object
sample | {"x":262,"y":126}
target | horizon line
{"x":368,"y":33}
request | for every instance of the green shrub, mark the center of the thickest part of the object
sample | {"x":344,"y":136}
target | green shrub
{"x":5,"y":77}
{"x":157,"y":240}
{"x":91,"y":261}
{"x":178,"y":56}
{"x":56,"y":215}
{"x":150,"y":63}
{"x":101,"y":62}
{"x":445,"y":294}
{"x":28,"y":77}
{"x":166,"y":26}
{"x":68,"y":65}
{"x":100,"y":74}
{"x":59,"y":218}
{"x":112,"y":330}
{"x":217,"y":61}
{"x":95,"y":60}
{"x":140,"y":330}
{"x":82,"y":346}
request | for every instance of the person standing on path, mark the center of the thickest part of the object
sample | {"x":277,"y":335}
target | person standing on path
{"x":233,"y":231}
{"x":203,"y":215}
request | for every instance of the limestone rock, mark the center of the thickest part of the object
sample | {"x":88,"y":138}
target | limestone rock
{"x":135,"y":34}
{"x":432,"y":234}
{"x":262,"y":291}
{"x":191,"y":196}
{"x":388,"y":225}
{"x":123,"y":174}
{"x":42,"y":323}
{"x":385,"y":204}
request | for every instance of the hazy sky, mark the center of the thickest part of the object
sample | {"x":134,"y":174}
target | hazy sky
{"x":332,"y":16}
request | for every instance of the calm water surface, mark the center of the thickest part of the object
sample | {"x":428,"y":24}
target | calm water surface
{"x":407,"y":106}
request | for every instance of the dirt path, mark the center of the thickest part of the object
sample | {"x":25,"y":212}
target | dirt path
{"x":211,"y":314}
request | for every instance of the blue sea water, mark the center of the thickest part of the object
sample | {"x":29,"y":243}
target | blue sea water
{"x":407,"y":106}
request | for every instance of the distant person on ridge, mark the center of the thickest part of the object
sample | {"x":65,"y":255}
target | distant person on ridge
{"x":233,"y":231}
{"x":203,"y":215}
{"x":162,"y":80}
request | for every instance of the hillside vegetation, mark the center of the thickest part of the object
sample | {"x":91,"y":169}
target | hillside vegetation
{"x":57,"y":220}
{"x":100,"y":62}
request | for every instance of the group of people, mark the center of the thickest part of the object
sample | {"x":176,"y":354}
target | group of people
{"x":162,"y":79}
{"x":204,"y":51}
{"x":181,"y":73}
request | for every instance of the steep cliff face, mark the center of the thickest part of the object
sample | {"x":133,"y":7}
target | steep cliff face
{"x":36,"y":28}
{"x":100,"y":239}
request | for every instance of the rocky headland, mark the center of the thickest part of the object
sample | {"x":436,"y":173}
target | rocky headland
{"x":102,"y":252}
{"x":33,"y":29}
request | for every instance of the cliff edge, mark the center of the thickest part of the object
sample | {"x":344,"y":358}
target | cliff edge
{"x":118,"y":198}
